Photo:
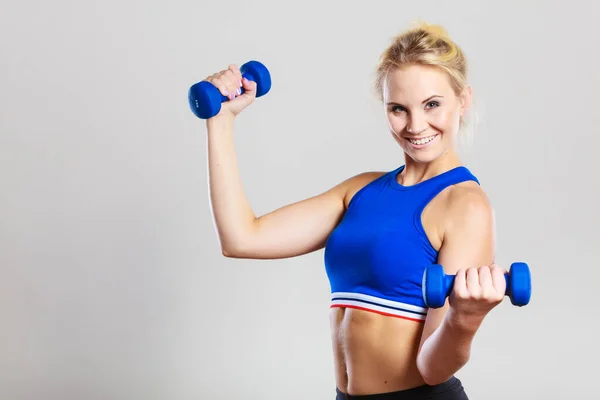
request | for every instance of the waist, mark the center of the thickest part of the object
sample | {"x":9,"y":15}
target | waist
{"x":374,"y":353}
{"x":451,"y":389}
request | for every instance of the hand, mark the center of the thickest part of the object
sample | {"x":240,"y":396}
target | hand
{"x":477,"y":291}
{"x":229,"y":82}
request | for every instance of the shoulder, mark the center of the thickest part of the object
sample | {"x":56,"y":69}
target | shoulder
{"x":362,"y":179}
{"x":354,"y":184}
{"x":343,"y":191}
{"x":468,"y":238}
{"x":467,"y":207}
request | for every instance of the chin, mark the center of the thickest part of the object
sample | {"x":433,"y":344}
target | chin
{"x":425,"y":155}
{"x":423,"y":158}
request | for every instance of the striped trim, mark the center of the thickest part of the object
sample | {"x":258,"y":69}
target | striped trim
{"x":378,"y":305}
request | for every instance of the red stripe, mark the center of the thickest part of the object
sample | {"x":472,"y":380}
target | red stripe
{"x":376,"y":312}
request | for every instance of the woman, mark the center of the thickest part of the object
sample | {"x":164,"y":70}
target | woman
{"x":380,"y":230}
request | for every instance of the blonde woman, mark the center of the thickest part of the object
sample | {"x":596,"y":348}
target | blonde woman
{"x":380,"y":230}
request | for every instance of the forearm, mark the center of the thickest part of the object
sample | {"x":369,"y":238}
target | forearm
{"x":448,"y":349}
{"x":232,"y":213}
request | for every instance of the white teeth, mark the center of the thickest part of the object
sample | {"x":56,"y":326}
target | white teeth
{"x":422,"y":141}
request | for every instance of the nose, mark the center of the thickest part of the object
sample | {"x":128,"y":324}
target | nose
{"x":416,"y":125}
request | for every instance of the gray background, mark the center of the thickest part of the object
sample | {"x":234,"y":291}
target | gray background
{"x":112,"y":285}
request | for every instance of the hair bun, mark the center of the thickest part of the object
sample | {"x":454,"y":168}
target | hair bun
{"x":433,"y":29}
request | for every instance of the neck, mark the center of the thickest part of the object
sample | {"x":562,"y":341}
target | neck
{"x":415,"y":172}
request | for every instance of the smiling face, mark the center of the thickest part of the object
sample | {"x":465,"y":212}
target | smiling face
{"x":423,"y":111}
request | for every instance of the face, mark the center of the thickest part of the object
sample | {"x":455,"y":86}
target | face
{"x":423,"y":111}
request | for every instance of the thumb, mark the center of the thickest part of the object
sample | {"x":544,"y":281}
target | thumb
{"x":249,"y":88}
{"x":245,"y":99}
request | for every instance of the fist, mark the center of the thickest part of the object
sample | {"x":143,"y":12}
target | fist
{"x":477,"y":290}
{"x":230,"y":83}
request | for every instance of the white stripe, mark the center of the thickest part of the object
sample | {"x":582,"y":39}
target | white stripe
{"x":383,"y":302}
{"x":391,"y":311}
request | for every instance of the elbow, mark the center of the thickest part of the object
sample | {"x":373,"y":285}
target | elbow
{"x":433,"y":380}
{"x":430,"y":377}
{"x":234,"y":254}
{"x":439,"y":373}
{"x":227,"y":253}
{"x":231,"y":247}
{"x":236,"y":243}
{"x":236,"y":249}
{"x":231,"y":251}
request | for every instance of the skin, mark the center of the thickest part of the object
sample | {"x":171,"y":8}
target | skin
{"x":375,"y":353}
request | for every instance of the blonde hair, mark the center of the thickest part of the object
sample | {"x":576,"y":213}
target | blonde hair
{"x":427,"y":45}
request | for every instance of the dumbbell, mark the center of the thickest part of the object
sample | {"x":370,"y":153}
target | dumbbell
{"x":437,"y":285}
{"x":205,"y":99}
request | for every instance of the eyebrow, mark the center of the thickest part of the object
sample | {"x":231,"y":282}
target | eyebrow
{"x":424,"y":101}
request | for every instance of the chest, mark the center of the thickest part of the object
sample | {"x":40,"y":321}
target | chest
{"x":384,"y":248}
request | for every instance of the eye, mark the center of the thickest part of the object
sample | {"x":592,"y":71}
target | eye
{"x":433,"y":104}
{"x":397,"y":109}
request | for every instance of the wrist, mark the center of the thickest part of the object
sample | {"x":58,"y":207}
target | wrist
{"x":220,"y":122}
{"x":465,"y":323}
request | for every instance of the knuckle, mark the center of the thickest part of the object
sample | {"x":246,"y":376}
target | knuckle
{"x":236,"y":72}
{"x":460,"y":293}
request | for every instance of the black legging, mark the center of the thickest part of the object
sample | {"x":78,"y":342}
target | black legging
{"x":452,"y":389}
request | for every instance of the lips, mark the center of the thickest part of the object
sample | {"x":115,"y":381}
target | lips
{"x":422,"y":141}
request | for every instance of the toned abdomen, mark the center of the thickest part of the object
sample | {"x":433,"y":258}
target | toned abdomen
{"x":374,"y":353}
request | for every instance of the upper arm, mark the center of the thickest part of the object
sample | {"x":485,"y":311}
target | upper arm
{"x":300,"y":227}
{"x":468,"y":241}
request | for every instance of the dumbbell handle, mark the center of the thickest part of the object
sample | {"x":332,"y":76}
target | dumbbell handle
{"x":449,"y":284}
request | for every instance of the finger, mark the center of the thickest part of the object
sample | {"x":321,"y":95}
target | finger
{"x":498,"y":267}
{"x":217,"y":81}
{"x":237,"y":74}
{"x":473,"y":282}
{"x":498,"y":280}
{"x":221,"y":84}
{"x":232,"y":83}
{"x":249,"y":86}
{"x":485,"y":282}
{"x":460,"y":284}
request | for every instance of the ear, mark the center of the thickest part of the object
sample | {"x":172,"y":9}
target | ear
{"x":466,"y":98}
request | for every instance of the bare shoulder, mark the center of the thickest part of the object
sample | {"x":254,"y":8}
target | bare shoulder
{"x":468,"y":204}
{"x":357,"y":182}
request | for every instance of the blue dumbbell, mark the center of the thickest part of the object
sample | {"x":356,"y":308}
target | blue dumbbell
{"x":205,"y":99}
{"x":437,"y":285}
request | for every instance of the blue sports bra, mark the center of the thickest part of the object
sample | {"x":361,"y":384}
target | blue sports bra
{"x":376,"y":256}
